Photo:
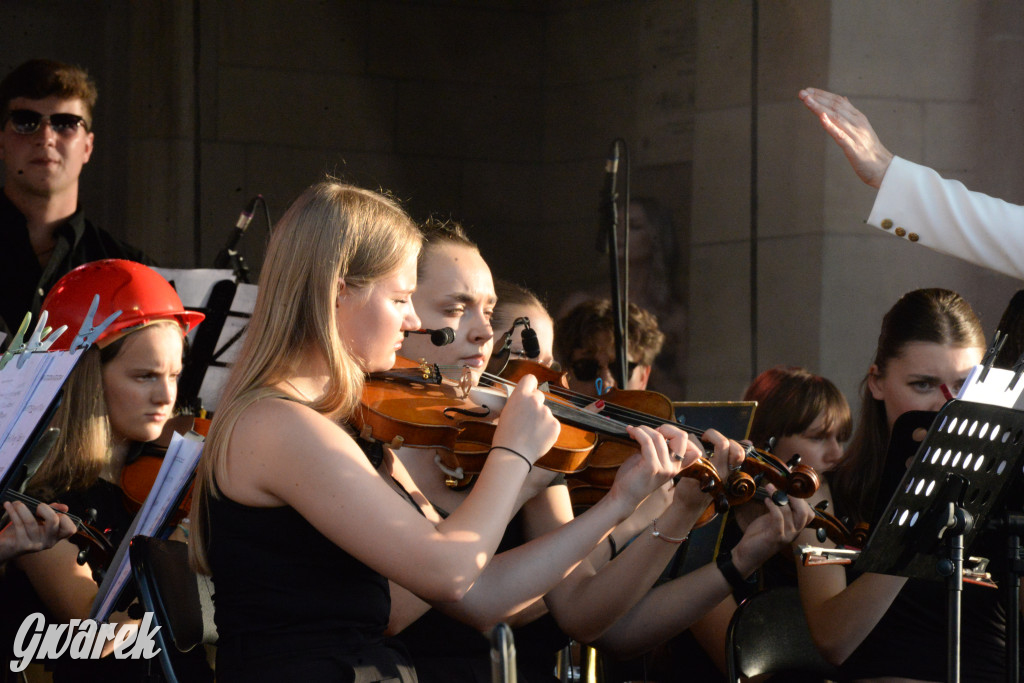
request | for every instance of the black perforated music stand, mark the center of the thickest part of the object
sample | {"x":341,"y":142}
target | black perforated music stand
{"x":956,"y":480}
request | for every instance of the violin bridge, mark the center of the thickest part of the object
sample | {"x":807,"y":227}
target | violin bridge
{"x":465,"y":383}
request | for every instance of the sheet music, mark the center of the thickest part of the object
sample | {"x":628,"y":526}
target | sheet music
{"x":245,"y":298}
{"x":26,"y":393}
{"x":195,"y":284}
{"x":994,"y":390}
{"x":16,"y":387}
{"x":175,"y":474}
{"x":225,"y":353}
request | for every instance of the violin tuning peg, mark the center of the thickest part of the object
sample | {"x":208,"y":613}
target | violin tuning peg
{"x":794,"y":461}
{"x":82,"y":557}
{"x":771,"y":444}
{"x":821,"y":535}
{"x":822,"y":506}
{"x":780,"y":498}
{"x":90,"y":516}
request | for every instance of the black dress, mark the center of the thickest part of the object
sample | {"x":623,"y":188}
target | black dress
{"x":290,"y":605}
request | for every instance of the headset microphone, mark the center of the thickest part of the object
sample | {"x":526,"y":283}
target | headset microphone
{"x":531,"y":346}
{"x":440,"y":337}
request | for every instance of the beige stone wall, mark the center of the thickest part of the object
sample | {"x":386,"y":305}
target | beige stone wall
{"x":932,"y":78}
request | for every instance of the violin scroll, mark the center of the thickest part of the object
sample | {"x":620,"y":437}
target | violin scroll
{"x":803,"y":481}
{"x":740,"y":486}
{"x":798,"y":480}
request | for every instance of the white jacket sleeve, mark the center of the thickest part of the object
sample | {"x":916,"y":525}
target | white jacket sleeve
{"x":917,"y":204}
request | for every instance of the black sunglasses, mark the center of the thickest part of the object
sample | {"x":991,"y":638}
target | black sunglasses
{"x":587,"y":369}
{"x":27,"y":122}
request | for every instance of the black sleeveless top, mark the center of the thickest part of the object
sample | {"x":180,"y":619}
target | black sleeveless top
{"x":446,"y":650}
{"x":291,"y":605}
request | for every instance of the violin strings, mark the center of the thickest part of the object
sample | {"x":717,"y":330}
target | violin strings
{"x":29,"y":500}
{"x":616,"y":414}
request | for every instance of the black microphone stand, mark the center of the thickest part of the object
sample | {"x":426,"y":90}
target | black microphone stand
{"x":609,"y":227}
{"x":229,"y":255}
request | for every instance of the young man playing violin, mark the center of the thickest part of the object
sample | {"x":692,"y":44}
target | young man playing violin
{"x":455,"y":290}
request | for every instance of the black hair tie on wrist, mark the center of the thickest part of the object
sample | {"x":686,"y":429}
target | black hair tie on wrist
{"x":525,"y":459}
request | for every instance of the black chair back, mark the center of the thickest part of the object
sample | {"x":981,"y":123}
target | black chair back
{"x":768,"y":634}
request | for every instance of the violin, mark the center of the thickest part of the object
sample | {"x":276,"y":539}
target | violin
{"x":93,"y":545}
{"x":413,"y":405}
{"x":468,"y":433}
{"x":654,"y":409}
{"x":826,"y":525}
{"x":138,"y":476}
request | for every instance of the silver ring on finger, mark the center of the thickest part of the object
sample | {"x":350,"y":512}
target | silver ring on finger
{"x":676,"y":456}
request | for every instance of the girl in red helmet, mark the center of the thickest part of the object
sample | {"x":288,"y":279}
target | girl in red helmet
{"x":119,"y":397}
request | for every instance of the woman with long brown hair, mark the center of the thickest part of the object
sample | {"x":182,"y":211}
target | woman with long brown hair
{"x":880,"y":626}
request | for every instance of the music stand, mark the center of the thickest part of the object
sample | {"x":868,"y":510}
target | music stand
{"x":215,"y":344}
{"x":961,"y":472}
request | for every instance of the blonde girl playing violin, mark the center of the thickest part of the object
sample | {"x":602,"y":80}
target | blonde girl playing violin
{"x":299,"y":529}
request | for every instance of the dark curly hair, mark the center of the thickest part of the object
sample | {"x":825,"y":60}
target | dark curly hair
{"x":579,"y":327}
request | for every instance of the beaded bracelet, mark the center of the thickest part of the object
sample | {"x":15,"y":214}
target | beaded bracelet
{"x":663,"y":537}
{"x":525,"y":459}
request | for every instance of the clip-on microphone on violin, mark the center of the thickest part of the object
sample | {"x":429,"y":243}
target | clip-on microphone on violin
{"x":440,"y":337}
{"x":531,"y":346}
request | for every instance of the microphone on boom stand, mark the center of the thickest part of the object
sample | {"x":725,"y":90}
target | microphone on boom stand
{"x":229,"y":256}
{"x":609,"y":198}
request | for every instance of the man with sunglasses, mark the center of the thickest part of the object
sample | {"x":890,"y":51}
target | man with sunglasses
{"x":45,"y":140}
{"x":585,"y":345}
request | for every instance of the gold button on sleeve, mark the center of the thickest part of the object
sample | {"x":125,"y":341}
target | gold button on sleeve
{"x":900,"y":232}
{"x":913,"y":237}
{"x":886,"y":224}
